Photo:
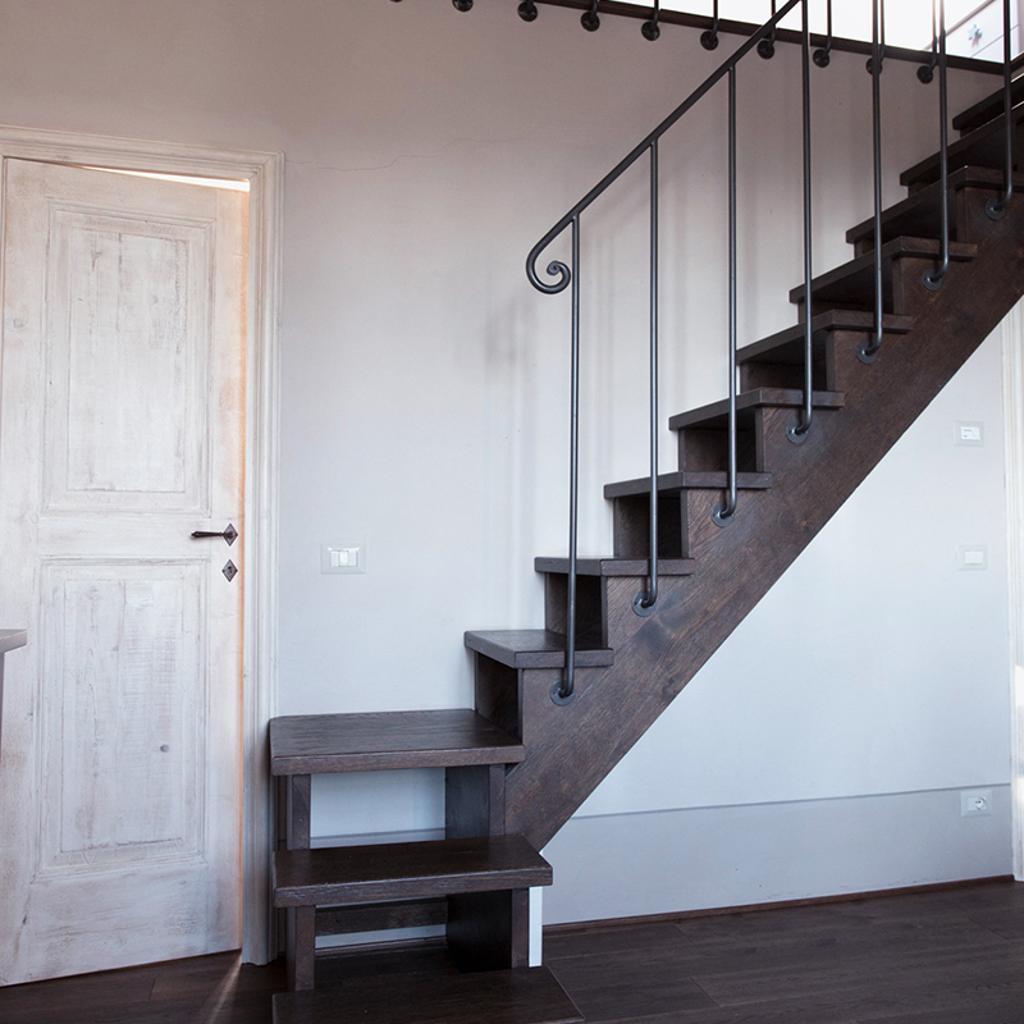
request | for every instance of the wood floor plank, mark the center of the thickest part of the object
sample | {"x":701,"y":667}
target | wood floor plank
{"x":936,"y":958}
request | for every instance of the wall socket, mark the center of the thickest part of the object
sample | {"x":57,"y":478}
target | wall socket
{"x":975,"y":803}
{"x":970,"y":433}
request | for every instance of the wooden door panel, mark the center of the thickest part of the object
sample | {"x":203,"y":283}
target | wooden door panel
{"x":121,"y":432}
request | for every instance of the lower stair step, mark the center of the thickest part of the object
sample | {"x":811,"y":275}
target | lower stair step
{"x":528,"y":995}
{"x":345,"y":875}
{"x":686,"y":481}
{"x":616,"y":567}
{"x":532,"y":648}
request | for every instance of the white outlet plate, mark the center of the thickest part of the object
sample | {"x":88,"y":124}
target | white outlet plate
{"x":970,"y":433}
{"x":972,"y":558}
{"x":975,"y":803}
{"x":343,"y":559}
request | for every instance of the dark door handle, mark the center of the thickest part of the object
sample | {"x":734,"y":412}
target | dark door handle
{"x":230,"y":534}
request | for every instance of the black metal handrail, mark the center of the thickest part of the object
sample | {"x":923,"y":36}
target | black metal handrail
{"x":563,"y":275}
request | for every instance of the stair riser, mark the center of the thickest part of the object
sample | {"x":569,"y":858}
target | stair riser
{"x":630,"y":518}
{"x":986,"y":152}
{"x":764,"y":374}
{"x":604,"y":605}
{"x":904,"y":292}
{"x":703,"y":449}
{"x":968,"y":221}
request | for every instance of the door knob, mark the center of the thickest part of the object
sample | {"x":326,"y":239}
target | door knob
{"x":230,"y":534}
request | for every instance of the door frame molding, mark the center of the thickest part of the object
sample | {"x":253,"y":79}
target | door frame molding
{"x":1013,"y":413}
{"x":264,"y":171}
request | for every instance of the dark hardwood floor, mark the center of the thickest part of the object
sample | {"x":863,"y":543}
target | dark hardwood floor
{"x":953,"y":957}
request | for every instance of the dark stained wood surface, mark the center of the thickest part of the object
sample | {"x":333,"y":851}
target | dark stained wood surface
{"x":612,"y":567}
{"x":983,"y":147}
{"x":313,"y":744}
{"x":920,"y":212}
{"x":526,"y":996}
{"x":852,"y":285}
{"x":715,"y":415}
{"x":952,"y":957}
{"x":988,"y":109}
{"x":342,"y":875}
{"x":674,"y":482}
{"x":530,"y":648}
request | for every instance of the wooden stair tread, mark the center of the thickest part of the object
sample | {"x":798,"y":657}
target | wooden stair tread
{"x":344,"y":875}
{"x":689,"y":480}
{"x":988,"y":109}
{"x":921,"y":212}
{"x":859,"y":273}
{"x":527,"y":995}
{"x":311,"y":744}
{"x":616,"y":566}
{"x":715,"y":415}
{"x":532,"y":648}
{"x":788,"y":346}
{"x":983,"y":147}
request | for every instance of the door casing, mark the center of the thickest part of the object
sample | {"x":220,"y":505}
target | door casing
{"x":1013,"y":411}
{"x":264,"y":172}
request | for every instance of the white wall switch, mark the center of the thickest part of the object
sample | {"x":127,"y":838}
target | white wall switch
{"x":970,"y":433}
{"x":343,"y":559}
{"x":972,"y":559}
{"x":975,"y":803}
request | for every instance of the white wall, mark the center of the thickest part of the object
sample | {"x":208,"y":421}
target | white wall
{"x":424,"y":383}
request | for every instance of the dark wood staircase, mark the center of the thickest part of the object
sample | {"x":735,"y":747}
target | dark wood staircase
{"x":519,"y":765}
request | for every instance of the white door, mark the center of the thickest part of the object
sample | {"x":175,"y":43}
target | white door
{"x":121,"y":432}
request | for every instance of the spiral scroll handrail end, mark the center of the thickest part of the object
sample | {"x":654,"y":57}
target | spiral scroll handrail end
{"x":556,"y":269}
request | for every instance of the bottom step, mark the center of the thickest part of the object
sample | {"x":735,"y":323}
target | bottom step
{"x":524,"y":996}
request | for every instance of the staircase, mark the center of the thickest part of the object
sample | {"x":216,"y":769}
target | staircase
{"x":521,"y":763}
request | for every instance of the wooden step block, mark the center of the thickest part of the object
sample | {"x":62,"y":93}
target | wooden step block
{"x":983,"y":147}
{"x":715,"y":416}
{"x":920,"y":214}
{"x":532,"y":648}
{"x":852,"y":285}
{"x":524,"y":996}
{"x":345,"y":875}
{"x":988,"y":109}
{"x":616,"y":567}
{"x":673,"y":483}
{"x":312,"y":744}
{"x":778,"y":360}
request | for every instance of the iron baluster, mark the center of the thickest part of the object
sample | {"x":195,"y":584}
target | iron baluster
{"x":590,"y":19}
{"x":709,"y":38}
{"x":799,"y":433}
{"x":766,"y":48}
{"x":869,"y":351}
{"x":926,"y":73}
{"x":562,"y":692}
{"x":644,"y":603}
{"x":823,"y":56}
{"x":723,"y":514}
{"x":651,"y":28}
{"x":933,"y":279}
{"x":995,"y":208}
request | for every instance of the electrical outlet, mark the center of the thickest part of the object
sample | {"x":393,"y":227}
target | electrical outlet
{"x":970,"y":433}
{"x":975,"y":803}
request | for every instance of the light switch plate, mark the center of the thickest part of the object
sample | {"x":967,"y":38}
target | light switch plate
{"x":972,"y":559}
{"x":970,"y":433}
{"x":343,"y":559}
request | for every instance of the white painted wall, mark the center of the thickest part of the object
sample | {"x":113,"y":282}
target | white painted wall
{"x":424,"y":384}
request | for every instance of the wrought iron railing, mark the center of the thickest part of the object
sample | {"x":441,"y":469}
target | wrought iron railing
{"x":560,"y":276}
